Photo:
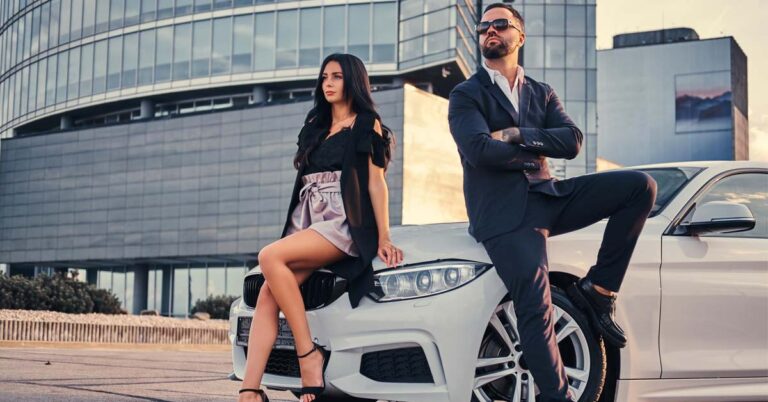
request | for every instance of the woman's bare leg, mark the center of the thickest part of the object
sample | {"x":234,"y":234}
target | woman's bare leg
{"x":301,"y":251}
{"x":261,"y":338}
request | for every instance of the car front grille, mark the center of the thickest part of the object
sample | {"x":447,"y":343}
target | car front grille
{"x":406,"y":365}
{"x":282,"y":362}
{"x":321,"y":289}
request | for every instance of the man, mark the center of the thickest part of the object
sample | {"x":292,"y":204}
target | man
{"x":505,"y":126}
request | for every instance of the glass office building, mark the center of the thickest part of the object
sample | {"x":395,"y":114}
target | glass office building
{"x":147,"y":143}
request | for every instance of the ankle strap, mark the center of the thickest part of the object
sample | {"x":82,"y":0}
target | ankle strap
{"x":256,"y":390}
{"x":314,"y":348}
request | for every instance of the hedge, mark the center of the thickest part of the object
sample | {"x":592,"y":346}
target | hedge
{"x":56,"y":293}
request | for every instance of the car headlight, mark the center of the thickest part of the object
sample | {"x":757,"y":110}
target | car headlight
{"x":424,"y":280}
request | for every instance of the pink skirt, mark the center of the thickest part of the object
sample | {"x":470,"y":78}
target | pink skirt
{"x":321,"y":209}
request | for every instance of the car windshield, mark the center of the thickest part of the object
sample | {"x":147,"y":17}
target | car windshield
{"x":669,"y":182}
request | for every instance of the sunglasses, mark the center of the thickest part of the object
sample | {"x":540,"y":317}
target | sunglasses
{"x":500,"y":24}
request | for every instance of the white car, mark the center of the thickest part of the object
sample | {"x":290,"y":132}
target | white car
{"x":694,"y":304}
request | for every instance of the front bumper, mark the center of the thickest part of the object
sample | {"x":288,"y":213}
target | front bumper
{"x":447,"y":327}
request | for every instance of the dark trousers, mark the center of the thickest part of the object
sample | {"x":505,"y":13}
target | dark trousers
{"x":520,"y":257}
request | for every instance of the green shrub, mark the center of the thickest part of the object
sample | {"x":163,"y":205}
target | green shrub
{"x":18,"y":292}
{"x":56,"y":293}
{"x":104,"y":301}
{"x":216,"y":306}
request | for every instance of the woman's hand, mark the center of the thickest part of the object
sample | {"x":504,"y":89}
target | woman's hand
{"x":390,"y":254}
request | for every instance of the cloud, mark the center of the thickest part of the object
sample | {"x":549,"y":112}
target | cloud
{"x":758,"y":138}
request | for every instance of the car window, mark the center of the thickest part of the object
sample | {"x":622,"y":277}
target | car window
{"x":669,"y":181}
{"x":750,"y":189}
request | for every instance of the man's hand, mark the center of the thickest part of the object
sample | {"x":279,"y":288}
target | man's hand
{"x":509,"y":135}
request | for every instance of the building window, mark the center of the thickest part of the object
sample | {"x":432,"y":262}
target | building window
{"x":89,"y":17}
{"x":115,"y":63}
{"x":35,"y":45}
{"x":554,"y":52}
{"x":74,"y":74}
{"x":243,"y":43}
{"x":359,"y":43}
{"x":222,"y":51}
{"x":164,"y":9}
{"x":61,"y":80}
{"x":64,"y":14}
{"x":201,"y":49}
{"x":334,"y":31}
{"x":555,"y":15}
{"x":53,"y":27}
{"x":146,"y":56}
{"x":117,"y":11}
{"x":287,"y":38}
{"x":164,"y":53}
{"x":202,"y":6}
{"x":130,"y":59}
{"x":221,"y":4}
{"x":181,"y":51}
{"x":384,"y":32}
{"x":76,"y":20}
{"x":264,"y":54}
{"x":132,"y":12}
{"x":197,"y":285}
{"x":99,"y":67}
{"x":102,"y":16}
{"x":180,"y":291}
{"x":41,"y":83}
{"x":44,"y":25}
{"x":183,"y":7}
{"x":309,"y":37}
{"x":148,"y":8}
{"x":86,"y":69}
{"x":31,"y":102}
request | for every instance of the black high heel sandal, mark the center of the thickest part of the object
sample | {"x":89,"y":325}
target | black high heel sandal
{"x":262,"y":394}
{"x":316,"y":391}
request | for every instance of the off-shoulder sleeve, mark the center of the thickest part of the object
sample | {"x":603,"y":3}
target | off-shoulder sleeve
{"x":375,"y":144}
{"x":304,"y":132}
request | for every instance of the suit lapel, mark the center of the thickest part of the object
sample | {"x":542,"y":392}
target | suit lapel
{"x":498,"y":94}
{"x":525,"y":102}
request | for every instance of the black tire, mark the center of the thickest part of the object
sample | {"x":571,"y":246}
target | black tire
{"x":575,"y":350}
{"x":595,"y":346}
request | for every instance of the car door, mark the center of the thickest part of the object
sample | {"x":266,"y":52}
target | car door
{"x":714,"y":314}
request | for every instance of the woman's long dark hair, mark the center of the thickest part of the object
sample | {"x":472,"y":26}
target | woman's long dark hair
{"x":357,"y":90}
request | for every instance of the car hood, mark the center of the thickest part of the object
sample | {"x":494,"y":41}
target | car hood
{"x":425,"y":243}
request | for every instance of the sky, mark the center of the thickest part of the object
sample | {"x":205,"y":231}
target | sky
{"x":745,"y":20}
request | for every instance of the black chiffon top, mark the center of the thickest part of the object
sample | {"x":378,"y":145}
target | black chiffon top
{"x":364,"y":145}
{"x":329,"y":154}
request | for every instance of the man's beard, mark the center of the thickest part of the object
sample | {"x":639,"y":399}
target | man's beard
{"x":497,"y":50}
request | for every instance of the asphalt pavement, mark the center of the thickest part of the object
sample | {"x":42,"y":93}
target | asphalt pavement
{"x":67,"y":373}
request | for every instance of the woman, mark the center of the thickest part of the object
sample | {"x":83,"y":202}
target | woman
{"x":343,"y":148}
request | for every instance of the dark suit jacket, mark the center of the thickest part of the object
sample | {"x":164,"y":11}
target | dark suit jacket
{"x":498,"y":175}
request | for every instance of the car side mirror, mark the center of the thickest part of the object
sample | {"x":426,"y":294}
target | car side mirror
{"x":720,"y":217}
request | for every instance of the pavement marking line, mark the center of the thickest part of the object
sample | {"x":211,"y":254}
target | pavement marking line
{"x":119,"y":346}
{"x":95,"y":390}
{"x":109,"y":365}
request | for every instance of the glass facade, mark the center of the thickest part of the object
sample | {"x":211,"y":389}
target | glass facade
{"x":428,"y":30}
{"x":187,"y":284}
{"x":53,"y":45}
{"x":191,"y":283}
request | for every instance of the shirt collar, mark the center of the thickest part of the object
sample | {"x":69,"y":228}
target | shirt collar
{"x":519,"y":79}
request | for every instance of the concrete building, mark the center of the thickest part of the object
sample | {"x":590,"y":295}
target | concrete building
{"x":148,"y":143}
{"x":667,"y":96}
